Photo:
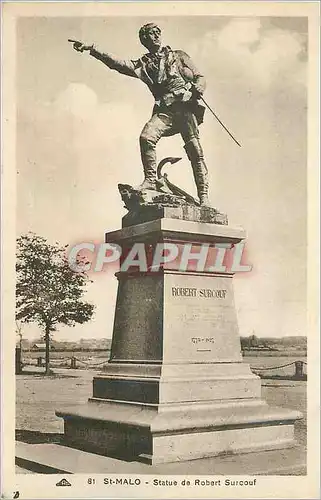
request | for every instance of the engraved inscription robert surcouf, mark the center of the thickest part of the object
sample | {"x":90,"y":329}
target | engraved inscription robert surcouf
{"x":195,"y":292}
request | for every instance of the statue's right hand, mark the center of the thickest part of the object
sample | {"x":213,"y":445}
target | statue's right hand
{"x":80,"y":46}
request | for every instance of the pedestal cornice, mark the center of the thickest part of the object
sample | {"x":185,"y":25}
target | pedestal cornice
{"x":178,"y":230}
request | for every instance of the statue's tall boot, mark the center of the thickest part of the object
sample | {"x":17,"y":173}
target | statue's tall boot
{"x":195,"y":154}
{"x":148,"y":155}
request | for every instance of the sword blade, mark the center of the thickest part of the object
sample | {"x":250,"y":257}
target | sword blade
{"x":220,"y":122}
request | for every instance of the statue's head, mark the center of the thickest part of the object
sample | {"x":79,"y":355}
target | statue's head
{"x":150,"y":36}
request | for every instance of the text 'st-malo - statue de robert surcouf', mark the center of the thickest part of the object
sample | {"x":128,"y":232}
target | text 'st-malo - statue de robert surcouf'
{"x":175,"y":387}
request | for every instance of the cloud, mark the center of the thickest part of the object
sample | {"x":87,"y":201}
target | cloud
{"x":238,"y":35}
{"x":93,"y":130}
{"x":77,"y":99}
{"x":261,"y":56}
{"x":75,"y":149}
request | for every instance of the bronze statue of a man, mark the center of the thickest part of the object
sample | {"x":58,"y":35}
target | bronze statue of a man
{"x":176,"y":85}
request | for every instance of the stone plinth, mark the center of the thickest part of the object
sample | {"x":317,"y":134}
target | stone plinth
{"x":175,"y":387}
{"x":183,"y":212}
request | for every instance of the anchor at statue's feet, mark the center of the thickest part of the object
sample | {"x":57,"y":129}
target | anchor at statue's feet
{"x":158,"y":193}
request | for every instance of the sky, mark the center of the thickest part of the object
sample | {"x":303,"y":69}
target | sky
{"x":78,"y":125}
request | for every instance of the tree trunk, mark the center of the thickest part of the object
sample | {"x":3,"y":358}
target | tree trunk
{"x":47,"y":340}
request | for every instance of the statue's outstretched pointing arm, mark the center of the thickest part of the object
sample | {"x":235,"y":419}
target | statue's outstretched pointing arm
{"x":126,"y":67}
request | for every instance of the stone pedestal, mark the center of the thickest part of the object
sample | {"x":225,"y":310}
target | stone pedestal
{"x":175,"y":387}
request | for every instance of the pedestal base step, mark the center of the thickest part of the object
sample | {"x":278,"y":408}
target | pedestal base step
{"x":157,"y":436}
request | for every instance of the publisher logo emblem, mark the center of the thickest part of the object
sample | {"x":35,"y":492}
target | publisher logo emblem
{"x":63,"y":482}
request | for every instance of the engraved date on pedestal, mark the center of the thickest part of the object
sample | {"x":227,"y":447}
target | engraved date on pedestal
{"x":204,"y":341}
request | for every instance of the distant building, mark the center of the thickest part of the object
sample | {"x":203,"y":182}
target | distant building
{"x":41,"y":347}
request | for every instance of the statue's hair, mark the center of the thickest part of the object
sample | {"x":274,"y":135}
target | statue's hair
{"x":144,"y":30}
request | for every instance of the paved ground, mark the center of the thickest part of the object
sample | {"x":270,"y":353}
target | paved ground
{"x":48,"y":458}
{"x":288,"y":394}
{"x":37,"y":397}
